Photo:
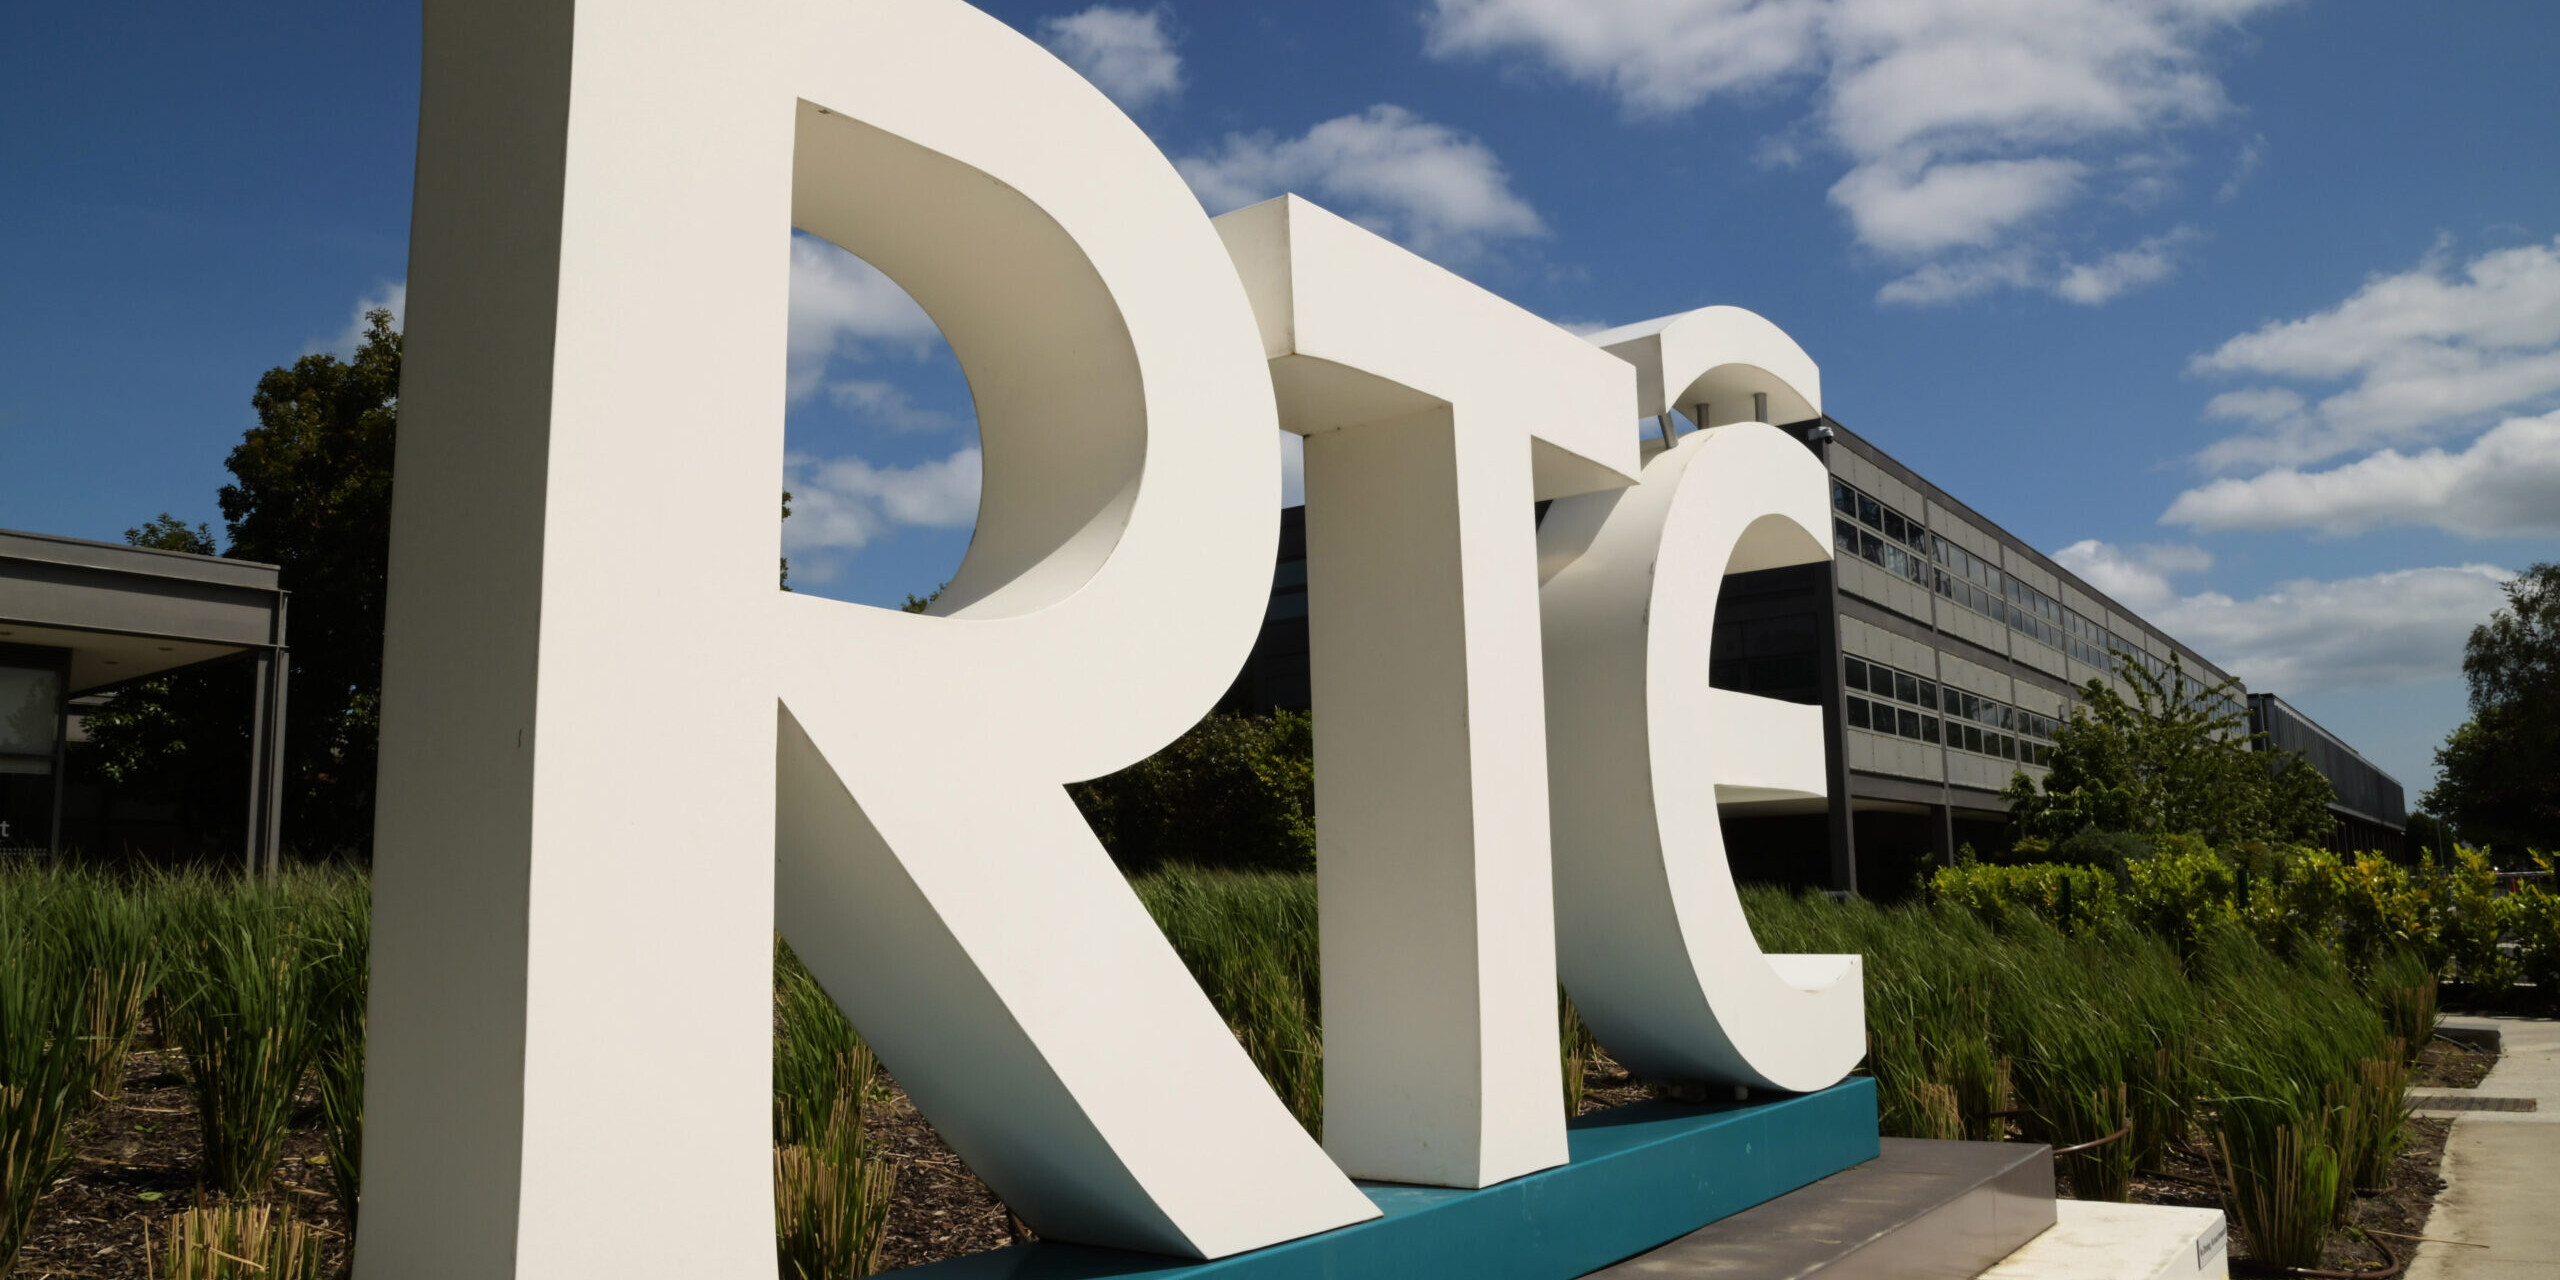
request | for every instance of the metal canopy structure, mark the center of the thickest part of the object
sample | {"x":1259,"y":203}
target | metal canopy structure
{"x":96,"y":615}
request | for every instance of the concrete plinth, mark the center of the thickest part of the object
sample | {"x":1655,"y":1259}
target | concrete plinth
{"x":2093,"y":1240}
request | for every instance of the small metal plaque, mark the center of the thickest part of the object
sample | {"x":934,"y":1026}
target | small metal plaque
{"x":2212,"y":1242}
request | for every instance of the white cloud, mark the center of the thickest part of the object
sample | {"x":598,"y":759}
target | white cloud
{"x":1126,"y":53}
{"x":1655,"y":55}
{"x":2092,"y":283}
{"x":841,"y":504}
{"x":1967,"y":125}
{"x":393,"y":297}
{"x":2425,"y":351}
{"x":1439,"y":191}
{"x":2256,"y":404}
{"x":1961,"y":278}
{"x":887,"y":405}
{"x":841,"y":305}
{"x":2308,"y":636}
{"x":2137,"y":577}
{"x":2252,"y":154}
{"x":2506,"y":484}
{"x":1919,"y":209}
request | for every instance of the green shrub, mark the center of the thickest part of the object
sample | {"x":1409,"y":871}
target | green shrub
{"x":2474,"y":920}
{"x":2533,"y":912}
{"x":2077,"y":899}
{"x":1236,"y":792}
{"x":2105,"y":850}
{"x":2380,"y":909}
{"x":2180,"y":892}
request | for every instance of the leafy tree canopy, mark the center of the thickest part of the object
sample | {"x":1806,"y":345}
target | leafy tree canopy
{"x":2498,"y":775}
{"x":2164,"y":762}
{"x":311,"y":494}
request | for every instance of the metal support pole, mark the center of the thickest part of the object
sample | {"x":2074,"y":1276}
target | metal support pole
{"x":259,"y":729}
{"x":61,"y":766}
{"x":1835,"y":743}
{"x":265,"y":851}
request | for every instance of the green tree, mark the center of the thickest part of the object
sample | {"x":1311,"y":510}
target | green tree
{"x":310,"y":494}
{"x":2498,"y":774}
{"x":2167,"y":761}
{"x":313,"y":497}
{"x":1236,"y":791}
{"x":179,"y":740}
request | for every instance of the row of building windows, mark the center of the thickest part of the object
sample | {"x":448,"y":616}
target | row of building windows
{"x":1961,"y":721}
{"x":1905,"y":548}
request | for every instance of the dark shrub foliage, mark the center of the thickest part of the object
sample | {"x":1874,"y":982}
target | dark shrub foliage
{"x":1235,"y":792}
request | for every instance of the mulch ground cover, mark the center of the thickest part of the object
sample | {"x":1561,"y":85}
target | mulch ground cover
{"x":2396,"y":1215}
{"x":2446,"y":1065}
{"x":134,"y":1163}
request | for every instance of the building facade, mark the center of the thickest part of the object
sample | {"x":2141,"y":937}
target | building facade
{"x":2370,"y":809}
{"x":1948,"y":651}
{"x":79,"y":620}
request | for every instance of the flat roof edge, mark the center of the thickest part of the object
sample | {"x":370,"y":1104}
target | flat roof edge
{"x":117,"y":557}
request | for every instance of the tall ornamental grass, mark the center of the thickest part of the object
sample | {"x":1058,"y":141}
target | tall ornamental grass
{"x":2296,"y":1118}
{"x":238,"y":996}
{"x":338,"y":954}
{"x":234,"y":1242}
{"x":44,"y":1063}
{"x":830,"y":1194}
{"x":1250,"y":939}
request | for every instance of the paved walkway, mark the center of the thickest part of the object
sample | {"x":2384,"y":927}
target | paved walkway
{"x":2501,"y":1170}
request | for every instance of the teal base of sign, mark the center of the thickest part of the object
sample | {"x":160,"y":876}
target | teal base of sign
{"x":1640,"y":1176}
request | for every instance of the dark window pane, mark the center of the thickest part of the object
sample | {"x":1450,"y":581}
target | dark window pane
{"x":2008,"y":747}
{"x":1893,"y":526}
{"x":1929,"y":694}
{"x":1844,"y":537}
{"x":1858,"y":713}
{"x":1973,"y":737}
{"x":1928,"y":728}
{"x":1870,"y":511}
{"x":1844,"y":498}
{"x":1910,"y":722}
{"x":1906,"y":686}
{"x":1856,"y":674}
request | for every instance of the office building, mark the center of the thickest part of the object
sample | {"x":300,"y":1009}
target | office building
{"x":1949,"y":651}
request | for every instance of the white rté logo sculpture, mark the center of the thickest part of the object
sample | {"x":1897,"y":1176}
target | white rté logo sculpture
{"x":614,"y":758}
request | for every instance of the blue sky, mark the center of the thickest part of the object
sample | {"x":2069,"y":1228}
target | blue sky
{"x":2247,"y":310}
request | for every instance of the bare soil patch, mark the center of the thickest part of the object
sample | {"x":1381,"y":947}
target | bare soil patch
{"x":2446,"y":1065}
